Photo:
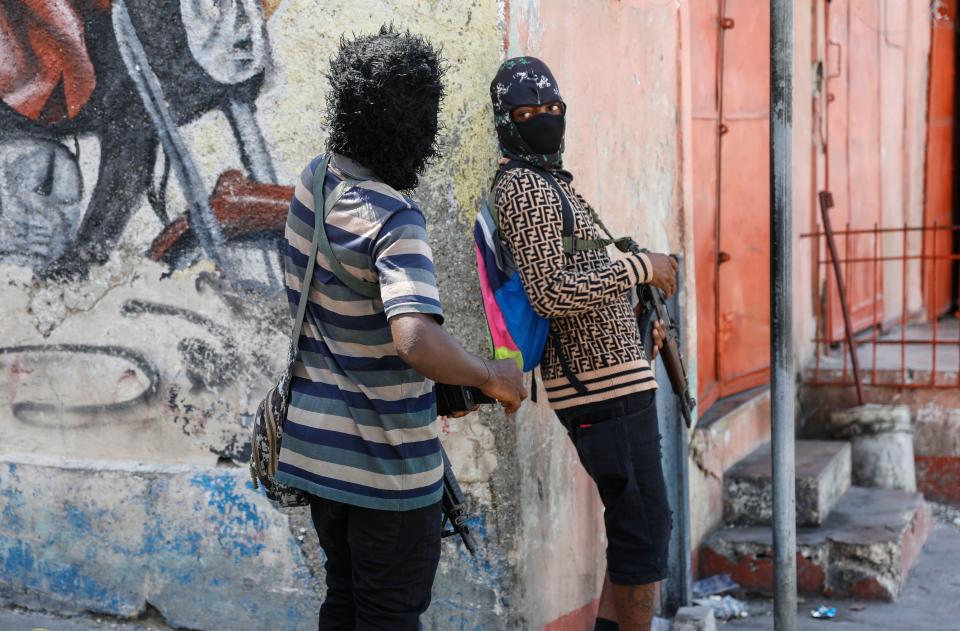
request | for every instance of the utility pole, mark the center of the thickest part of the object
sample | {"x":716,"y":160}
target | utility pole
{"x":782,"y":386}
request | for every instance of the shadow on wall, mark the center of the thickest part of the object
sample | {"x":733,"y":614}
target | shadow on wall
{"x":119,"y":78}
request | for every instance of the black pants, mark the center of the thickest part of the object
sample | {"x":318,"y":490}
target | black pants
{"x":380,"y":565}
{"x":618,"y":442}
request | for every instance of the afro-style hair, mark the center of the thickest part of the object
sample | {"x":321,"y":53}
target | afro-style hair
{"x":384,"y":102}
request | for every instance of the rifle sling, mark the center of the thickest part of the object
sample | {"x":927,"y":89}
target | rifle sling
{"x":362,"y":287}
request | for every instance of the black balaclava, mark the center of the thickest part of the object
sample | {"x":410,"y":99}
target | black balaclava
{"x":539,"y":141}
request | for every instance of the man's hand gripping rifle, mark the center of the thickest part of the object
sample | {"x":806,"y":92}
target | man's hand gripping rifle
{"x":654,"y":307}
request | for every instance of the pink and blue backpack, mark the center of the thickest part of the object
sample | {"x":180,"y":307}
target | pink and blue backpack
{"x":517,"y":331}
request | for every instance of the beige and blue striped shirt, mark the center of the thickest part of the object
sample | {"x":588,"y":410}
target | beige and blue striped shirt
{"x":362,"y":425}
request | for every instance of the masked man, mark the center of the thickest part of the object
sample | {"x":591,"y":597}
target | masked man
{"x":361,"y":435}
{"x":594,"y":370}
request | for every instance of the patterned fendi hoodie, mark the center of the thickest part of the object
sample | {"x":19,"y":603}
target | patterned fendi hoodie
{"x":584,"y":294}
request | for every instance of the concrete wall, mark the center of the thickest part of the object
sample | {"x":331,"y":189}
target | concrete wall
{"x":618,"y":66}
{"x":128,"y":380}
{"x":132,"y":364}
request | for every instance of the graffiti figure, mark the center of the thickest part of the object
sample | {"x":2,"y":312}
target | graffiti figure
{"x":130,"y":73}
{"x":139,"y":376}
{"x":41,"y":192}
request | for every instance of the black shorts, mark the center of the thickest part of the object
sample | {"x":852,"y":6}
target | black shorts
{"x":618,"y":442}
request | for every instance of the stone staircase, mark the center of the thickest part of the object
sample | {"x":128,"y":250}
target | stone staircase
{"x":851,"y":541}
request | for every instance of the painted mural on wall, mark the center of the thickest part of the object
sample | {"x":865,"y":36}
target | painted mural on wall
{"x":146,"y":148}
{"x":115,"y":320}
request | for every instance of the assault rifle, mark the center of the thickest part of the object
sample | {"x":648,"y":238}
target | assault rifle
{"x":654,"y":304}
{"x":454,"y":508}
{"x":654,"y":307}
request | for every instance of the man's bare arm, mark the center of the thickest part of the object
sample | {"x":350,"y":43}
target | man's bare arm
{"x":428,"y":348}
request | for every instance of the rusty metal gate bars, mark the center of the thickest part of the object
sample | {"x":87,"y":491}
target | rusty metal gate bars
{"x":900,"y":377}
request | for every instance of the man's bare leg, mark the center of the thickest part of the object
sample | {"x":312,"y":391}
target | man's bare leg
{"x":608,"y":609}
{"x":634,"y":604}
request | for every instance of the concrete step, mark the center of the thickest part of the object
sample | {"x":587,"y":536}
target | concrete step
{"x":863,"y":550}
{"x":730,"y":429}
{"x":823,"y":475}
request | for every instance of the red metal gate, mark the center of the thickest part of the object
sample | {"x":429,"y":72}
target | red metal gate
{"x":853,"y":160}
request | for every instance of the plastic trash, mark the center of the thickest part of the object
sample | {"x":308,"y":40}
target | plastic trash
{"x":660,"y":624}
{"x":724,"y":607}
{"x":824,"y":613}
{"x":716,"y":584}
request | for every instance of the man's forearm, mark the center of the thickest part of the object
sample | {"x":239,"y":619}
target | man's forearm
{"x":430,"y":350}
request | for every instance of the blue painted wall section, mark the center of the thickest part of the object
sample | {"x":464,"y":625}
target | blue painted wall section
{"x":202,"y":546}
{"x":112,"y":540}
{"x":471,"y":594}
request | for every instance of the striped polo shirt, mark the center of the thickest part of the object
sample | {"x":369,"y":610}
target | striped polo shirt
{"x":362,"y":426}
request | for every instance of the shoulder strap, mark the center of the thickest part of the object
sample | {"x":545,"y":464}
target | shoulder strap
{"x":312,"y":260}
{"x":362,"y":287}
{"x":624,"y":244}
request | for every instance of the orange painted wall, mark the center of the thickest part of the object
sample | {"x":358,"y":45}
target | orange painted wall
{"x":617,"y":63}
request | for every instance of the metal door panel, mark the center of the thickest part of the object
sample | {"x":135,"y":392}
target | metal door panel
{"x":853,"y":153}
{"x":744,"y":280}
{"x":705,"y":94}
{"x":838,"y":73}
{"x":705,"y":246}
{"x":730,"y":96}
{"x":744,"y":332}
{"x":746,"y":66}
{"x":938,"y":204}
{"x":704,"y":29}
{"x":863,"y":185}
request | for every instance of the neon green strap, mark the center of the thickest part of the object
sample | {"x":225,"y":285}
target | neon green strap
{"x":575,"y":244}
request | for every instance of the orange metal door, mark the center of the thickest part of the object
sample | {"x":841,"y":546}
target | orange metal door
{"x":730,"y":54}
{"x":853,"y":167}
{"x":939,"y":176}
{"x":704,"y":50}
{"x":743,"y":335}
